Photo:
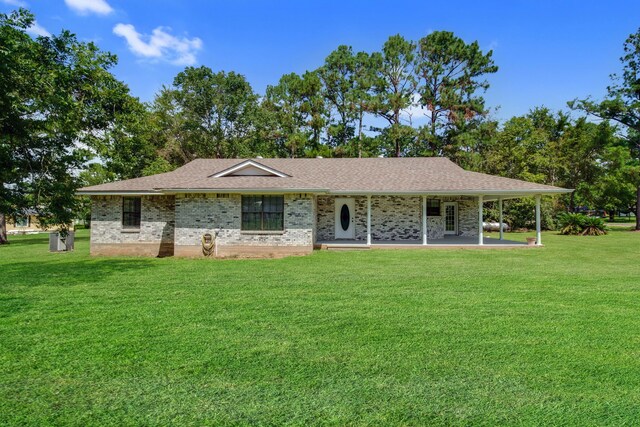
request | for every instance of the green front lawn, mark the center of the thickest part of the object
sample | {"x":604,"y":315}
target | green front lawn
{"x":541,"y":336}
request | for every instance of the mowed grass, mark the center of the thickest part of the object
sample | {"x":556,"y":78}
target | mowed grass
{"x":543,"y":336}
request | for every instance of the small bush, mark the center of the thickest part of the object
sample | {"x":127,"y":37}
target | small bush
{"x":571,"y":223}
{"x":580,"y":224}
{"x":593,"y":226}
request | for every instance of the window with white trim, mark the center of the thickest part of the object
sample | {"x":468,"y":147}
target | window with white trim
{"x":22,"y":221}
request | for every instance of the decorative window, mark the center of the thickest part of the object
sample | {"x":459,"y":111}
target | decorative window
{"x":433,"y":207}
{"x":22,"y":221}
{"x":263,"y":213}
{"x":131,"y":212}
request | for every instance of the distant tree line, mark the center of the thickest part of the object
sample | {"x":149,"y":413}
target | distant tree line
{"x":66,"y":121}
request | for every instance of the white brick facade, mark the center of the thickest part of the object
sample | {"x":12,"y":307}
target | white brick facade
{"x":176,"y":224}
{"x":156,"y":221}
{"x":197,"y":214}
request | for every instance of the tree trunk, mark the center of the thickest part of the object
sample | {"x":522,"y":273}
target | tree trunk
{"x":572,"y":202}
{"x":612,"y":215}
{"x":396,"y":120}
{"x":3,"y":230}
{"x":638,"y":209}
{"x":360,"y":135}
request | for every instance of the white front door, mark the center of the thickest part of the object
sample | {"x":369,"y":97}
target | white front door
{"x":451,"y":218}
{"x":345,"y":221}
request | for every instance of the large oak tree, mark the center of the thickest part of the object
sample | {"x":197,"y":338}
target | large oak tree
{"x":57,"y":99}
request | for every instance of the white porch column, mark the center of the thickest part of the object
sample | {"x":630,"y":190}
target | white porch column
{"x":538,"y":225}
{"x":369,"y":220}
{"x":424,"y":220}
{"x":480,"y":220}
{"x":500,"y":219}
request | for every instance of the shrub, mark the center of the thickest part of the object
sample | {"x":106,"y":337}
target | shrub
{"x":580,"y":224}
{"x":571,"y":223}
{"x":593,"y":226}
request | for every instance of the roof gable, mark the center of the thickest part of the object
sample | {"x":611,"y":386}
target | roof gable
{"x":249,"y":168}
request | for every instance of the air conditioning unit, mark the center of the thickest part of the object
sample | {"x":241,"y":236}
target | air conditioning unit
{"x":59,"y":244}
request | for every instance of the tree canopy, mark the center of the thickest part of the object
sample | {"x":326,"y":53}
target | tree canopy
{"x":622,"y":106}
{"x":57,"y":101}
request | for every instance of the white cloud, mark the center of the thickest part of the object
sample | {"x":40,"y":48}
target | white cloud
{"x":84,"y":7}
{"x":160,"y":45}
{"x":414,"y":111}
{"x":38,"y":30}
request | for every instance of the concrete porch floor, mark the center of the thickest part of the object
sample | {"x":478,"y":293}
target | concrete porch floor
{"x":447,"y":242}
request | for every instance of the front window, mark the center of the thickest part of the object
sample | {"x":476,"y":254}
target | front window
{"x":433,"y":207}
{"x":263,"y":213}
{"x":131,"y":212}
{"x":22,"y":221}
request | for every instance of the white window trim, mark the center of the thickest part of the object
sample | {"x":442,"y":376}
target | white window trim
{"x":444,"y":217}
{"x":247,"y":164}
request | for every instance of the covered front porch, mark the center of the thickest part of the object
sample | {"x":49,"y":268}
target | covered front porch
{"x":411,"y":221}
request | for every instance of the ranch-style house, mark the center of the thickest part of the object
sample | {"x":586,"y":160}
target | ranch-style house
{"x":275,"y":207}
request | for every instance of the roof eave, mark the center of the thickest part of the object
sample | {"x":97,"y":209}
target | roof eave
{"x":119,"y":193}
{"x":243,"y":190}
{"x":512,"y":193}
{"x":161,"y":191}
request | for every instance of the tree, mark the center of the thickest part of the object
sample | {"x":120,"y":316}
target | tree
{"x":57,"y":98}
{"x":622,"y":105}
{"x":127,"y":146}
{"x":298,"y":109}
{"x":451,"y":77}
{"x":93,"y":174}
{"x":527,"y":148}
{"x":361,"y":96}
{"x":393,"y":87}
{"x":580,"y":154}
{"x":467,"y":146}
{"x":314,"y":107}
{"x":285,"y":100}
{"x":614,"y":191}
{"x":206,"y":114}
{"x":339,"y":83}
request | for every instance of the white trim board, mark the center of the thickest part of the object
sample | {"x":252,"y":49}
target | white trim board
{"x":249,"y":168}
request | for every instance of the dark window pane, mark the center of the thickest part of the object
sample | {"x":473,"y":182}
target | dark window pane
{"x":273,"y":203}
{"x":345,"y":217}
{"x":273,"y":221}
{"x":251,"y":204}
{"x":251,"y":221}
{"x":433,"y":207}
{"x":262,"y":213}
{"x":131,"y":209}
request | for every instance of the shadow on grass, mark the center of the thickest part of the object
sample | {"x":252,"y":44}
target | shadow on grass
{"x":68,"y":272}
{"x":36,"y":239}
{"x":20,"y":278}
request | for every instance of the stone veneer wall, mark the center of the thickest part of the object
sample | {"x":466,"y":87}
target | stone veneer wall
{"x":467,"y":216}
{"x":220,"y":215}
{"x":155,"y":237}
{"x":395,"y":218}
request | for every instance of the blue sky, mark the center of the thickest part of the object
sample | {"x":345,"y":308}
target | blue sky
{"x":548,"y":52}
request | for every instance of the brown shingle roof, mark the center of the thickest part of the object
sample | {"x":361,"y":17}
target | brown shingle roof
{"x":416,"y":175}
